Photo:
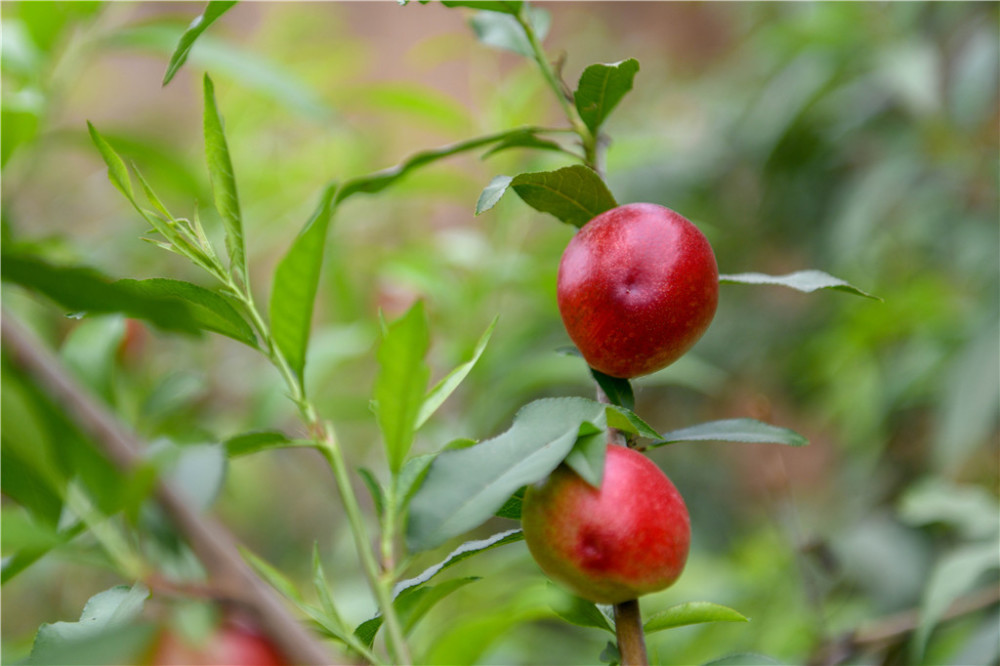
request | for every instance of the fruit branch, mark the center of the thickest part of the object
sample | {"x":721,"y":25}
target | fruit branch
{"x":628,"y":628}
{"x":213,"y":544}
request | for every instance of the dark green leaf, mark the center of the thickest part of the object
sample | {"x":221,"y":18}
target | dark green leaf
{"x":211,"y":311}
{"x":463,"y":552}
{"x":805,"y":281}
{"x":579,"y":611}
{"x":610,"y":654}
{"x":574,"y":194}
{"x":525,"y":139}
{"x":410,"y":478}
{"x":296,"y":280}
{"x":401,"y":382}
{"x":502,"y":31}
{"x":220,"y":171}
{"x":492,"y":193}
{"x":261,"y":440}
{"x":734,"y":430}
{"x":512,"y":507}
{"x":215,"y":9}
{"x":411,"y":605}
{"x":463,"y":488}
{"x":618,"y":390}
{"x":374,"y":489}
{"x":601,"y":87}
{"x":82,"y":289}
{"x":693,"y":612}
{"x":444,"y":388}
{"x":744,"y":659}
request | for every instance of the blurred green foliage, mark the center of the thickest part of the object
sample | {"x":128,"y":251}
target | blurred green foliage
{"x":856,"y":138}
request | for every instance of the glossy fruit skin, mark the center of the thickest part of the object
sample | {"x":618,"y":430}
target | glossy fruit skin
{"x":611,"y":545}
{"x":638,"y":285}
{"x":232,"y":645}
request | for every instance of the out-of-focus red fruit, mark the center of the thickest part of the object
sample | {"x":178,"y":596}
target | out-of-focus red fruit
{"x":232,"y":645}
{"x":613,"y":544}
{"x":638,"y":286}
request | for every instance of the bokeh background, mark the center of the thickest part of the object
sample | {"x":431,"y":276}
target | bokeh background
{"x":856,"y":138}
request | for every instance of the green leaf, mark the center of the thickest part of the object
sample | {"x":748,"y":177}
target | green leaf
{"x":322,"y":586}
{"x":578,"y":611}
{"x":972,"y":510}
{"x":401,"y":382}
{"x":693,"y":612}
{"x":23,"y":533}
{"x":744,"y":659}
{"x":512,"y":507}
{"x":525,"y":139}
{"x":412,"y":605}
{"x":600,"y":89}
{"x":213,"y":11}
{"x":734,"y":430}
{"x":106,"y":611}
{"x":261,"y":440}
{"x":273,"y":576}
{"x":618,"y":390}
{"x":502,"y":31}
{"x":503,"y":6}
{"x":90,"y":349}
{"x":210,"y":311}
{"x":464,"y":488}
{"x":444,"y":388}
{"x":952,"y":577}
{"x":463,"y":552}
{"x":410,"y":477}
{"x":374,"y":489}
{"x":117,"y":171}
{"x":628,"y":421}
{"x":492,"y":193}
{"x":83,"y":289}
{"x":574,"y":194}
{"x":587,"y":456}
{"x":805,"y":281}
{"x":296,"y":281}
{"x":220,"y":171}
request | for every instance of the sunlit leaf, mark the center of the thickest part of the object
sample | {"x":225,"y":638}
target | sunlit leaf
{"x":401,"y":382}
{"x":805,"y":281}
{"x":463,"y":552}
{"x":412,"y":605}
{"x":574,"y":194}
{"x":464,"y":488}
{"x":213,"y":11}
{"x":693,"y":612}
{"x":261,"y":440}
{"x":600,"y":89}
{"x":492,"y":193}
{"x":502,"y":31}
{"x":296,"y":281}
{"x":444,"y":388}
{"x":117,"y":171}
{"x":579,"y":611}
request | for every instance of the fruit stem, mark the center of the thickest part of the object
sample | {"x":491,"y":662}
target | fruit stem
{"x":628,"y":628}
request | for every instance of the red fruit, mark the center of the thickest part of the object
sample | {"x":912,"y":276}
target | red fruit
{"x":627,"y":539}
{"x":638,"y":285}
{"x":232,"y":645}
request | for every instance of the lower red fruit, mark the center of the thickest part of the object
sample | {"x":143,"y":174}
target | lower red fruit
{"x":638,"y":286}
{"x":234,"y":644}
{"x":628,"y":538}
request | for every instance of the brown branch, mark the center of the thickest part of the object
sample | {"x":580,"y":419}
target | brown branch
{"x":628,"y":628}
{"x":212,"y":543}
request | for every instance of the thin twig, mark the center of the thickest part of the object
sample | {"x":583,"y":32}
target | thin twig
{"x":212,"y":542}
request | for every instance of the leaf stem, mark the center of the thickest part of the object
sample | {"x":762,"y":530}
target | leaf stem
{"x":628,"y":628}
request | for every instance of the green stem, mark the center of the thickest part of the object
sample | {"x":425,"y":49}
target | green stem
{"x":114,"y":544}
{"x":587,"y":138}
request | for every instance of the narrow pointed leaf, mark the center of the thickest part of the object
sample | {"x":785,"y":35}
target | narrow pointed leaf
{"x":574,"y":194}
{"x":694,"y":612}
{"x":734,"y":430}
{"x":463,"y":552}
{"x":117,"y":171}
{"x":579,"y":611}
{"x":444,"y":388}
{"x":503,"y":6}
{"x":273,"y":576}
{"x":261,"y":440}
{"x":296,"y":281}
{"x":805,"y":281}
{"x":463,"y":488}
{"x":374,"y":489}
{"x":587,"y":456}
{"x":211,"y":311}
{"x":411,"y":606}
{"x":628,"y":421}
{"x":600,"y":89}
{"x":220,"y":171}
{"x":213,"y":11}
{"x":401,"y":382}
{"x":618,"y":390}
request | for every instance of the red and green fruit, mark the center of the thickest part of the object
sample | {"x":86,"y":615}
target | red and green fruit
{"x":638,"y":286}
{"x":613,"y":544}
{"x":233,"y":644}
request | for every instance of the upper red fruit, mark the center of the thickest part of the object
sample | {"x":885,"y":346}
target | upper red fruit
{"x":638,"y":285}
{"x":613,"y":544}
